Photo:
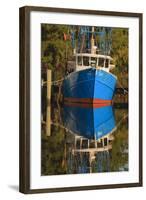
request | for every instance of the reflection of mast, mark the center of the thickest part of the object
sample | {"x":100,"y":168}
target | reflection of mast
{"x":91,"y":159}
{"x":48,"y":112}
{"x":103,"y":144}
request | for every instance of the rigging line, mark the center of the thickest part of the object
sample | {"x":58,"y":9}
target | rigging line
{"x":125,"y":91}
{"x":53,"y":82}
{"x":57,"y":81}
{"x":61,"y":126}
{"x":119,"y":122}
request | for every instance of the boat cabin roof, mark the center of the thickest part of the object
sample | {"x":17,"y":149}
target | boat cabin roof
{"x":93,"y":55}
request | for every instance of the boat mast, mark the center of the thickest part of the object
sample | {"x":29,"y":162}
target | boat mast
{"x":93,"y":48}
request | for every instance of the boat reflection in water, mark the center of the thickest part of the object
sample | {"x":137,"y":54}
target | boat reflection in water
{"x":89,"y":122}
{"x":91,"y":128}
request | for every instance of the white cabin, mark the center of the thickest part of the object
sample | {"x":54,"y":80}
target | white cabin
{"x":84,"y":61}
{"x":87,"y":60}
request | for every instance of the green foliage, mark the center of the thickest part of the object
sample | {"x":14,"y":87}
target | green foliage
{"x":120,"y":48}
{"x":55,"y":50}
{"x":52,"y":152}
{"x":119,"y":157}
{"x":120,"y":54}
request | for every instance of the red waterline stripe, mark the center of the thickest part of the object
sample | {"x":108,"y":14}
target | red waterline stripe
{"x":86,"y":105}
{"x":87,"y":100}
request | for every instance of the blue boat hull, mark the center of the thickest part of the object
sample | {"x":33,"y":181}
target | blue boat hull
{"x":91,"y":123}
{"x":90,"y":83}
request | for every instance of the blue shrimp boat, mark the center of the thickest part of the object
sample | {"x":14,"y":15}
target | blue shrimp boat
{"x":91,"y":80}
{"x":88,"y":92}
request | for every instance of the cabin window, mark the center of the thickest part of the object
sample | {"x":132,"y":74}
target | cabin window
{"x":93,"y":61}
{"x":105,"y":141}
{"x":79,"y":60}
{"x":86,"y":61}
{"x":101,"y":62}
{"x":106,"y":63}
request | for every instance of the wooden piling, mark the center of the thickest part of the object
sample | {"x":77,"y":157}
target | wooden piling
{"x":48,"y":114}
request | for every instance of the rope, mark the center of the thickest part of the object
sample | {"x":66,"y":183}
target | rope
{"x":119,"y":122}
{"x":57,"y":82}
{"x":52,"y":82}
{"x":125,"y":91}
{"x":61,"y":126}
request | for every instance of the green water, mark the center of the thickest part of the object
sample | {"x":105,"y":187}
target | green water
{"x":57,"y":150}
